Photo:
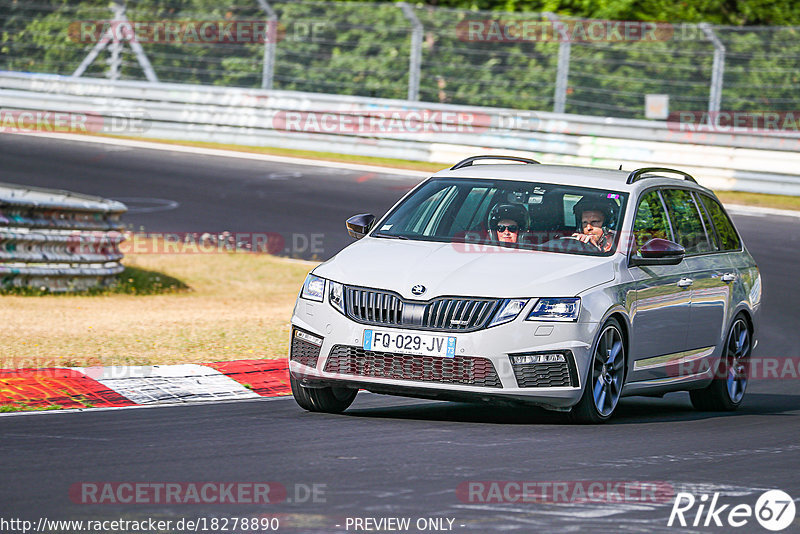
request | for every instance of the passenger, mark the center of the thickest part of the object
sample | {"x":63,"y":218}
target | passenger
{"x":594,"y":216}
{"x":508,"y":221}
{"x":507,"y":231}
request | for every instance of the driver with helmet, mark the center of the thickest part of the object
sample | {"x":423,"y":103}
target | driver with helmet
{"x":594,"y":215}
{"x":507,"y":222}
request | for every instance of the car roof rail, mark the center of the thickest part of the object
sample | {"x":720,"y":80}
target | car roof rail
{"x":638,"y":174}
{"x":469,"y":161}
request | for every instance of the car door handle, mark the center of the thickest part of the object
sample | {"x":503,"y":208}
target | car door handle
{"x":728,"y":277}
{"x":685,"y":282}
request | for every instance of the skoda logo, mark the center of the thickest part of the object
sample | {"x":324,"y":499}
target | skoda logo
{"x":418,"y":289}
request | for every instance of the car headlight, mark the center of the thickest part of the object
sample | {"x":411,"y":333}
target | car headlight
{"x":313,"y":288}
{"x":556,"y":309}
{"x":508,"y":311}
{"x":336,"y":295}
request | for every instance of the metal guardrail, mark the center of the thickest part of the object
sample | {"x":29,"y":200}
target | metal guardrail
{"x":58,"y":240}
{"x":744,"y":161}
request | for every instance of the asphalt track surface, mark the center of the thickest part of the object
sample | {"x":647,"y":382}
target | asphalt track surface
{"x":386,"y":456}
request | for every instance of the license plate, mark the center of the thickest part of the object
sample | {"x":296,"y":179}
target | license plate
{"x":420,"y":344}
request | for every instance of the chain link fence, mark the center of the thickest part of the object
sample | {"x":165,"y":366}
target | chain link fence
{"x":531,"y":61}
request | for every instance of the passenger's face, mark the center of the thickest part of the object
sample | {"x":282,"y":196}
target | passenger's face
{"x":592,"y":222}
{"x":504,"y":231}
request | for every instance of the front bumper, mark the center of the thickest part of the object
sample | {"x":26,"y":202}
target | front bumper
{"x":442,"y":378}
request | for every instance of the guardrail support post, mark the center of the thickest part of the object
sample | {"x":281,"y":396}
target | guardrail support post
{"x":112,"y":35}
{"x":717,"y":70}
{"x":92,"y":55}
{"x":415,"y":57}
{"x":562,"y":74}
{"x":116,"y":44}
{"x":268,"y":68}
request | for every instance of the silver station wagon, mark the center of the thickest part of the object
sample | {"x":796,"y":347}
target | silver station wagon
{"x":559,"y":286}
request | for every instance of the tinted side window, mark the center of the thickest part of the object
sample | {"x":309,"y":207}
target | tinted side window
{"x":728,"y":238}
{"x":686,"y":223}
{"x":651,"y":220}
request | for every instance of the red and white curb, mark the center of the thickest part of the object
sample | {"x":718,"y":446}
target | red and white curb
{"x":117,"y":386}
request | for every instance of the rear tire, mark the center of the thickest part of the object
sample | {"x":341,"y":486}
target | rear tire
{"x":726,"y":391}
{"x":327,"y":399}
{"x":606,"y":377}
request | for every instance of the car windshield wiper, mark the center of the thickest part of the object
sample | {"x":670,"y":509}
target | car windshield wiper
{"x":387,"y":236}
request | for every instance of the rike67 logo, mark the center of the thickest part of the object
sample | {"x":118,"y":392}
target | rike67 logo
{"x":774,"y":510}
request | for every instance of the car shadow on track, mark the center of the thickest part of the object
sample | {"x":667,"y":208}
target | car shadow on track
{"x":673,"y":407}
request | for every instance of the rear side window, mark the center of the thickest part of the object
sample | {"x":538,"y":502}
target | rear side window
{"x":710,"y":232}
{"x":651,"y":220}
{"x":686,"y":222}
{"x":729,"y":239}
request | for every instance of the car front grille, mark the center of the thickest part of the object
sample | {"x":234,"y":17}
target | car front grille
{"x":444,"y":314}
{"x":303,"y":351}
{"x":466,"y":370}
{"x":547,"y":375}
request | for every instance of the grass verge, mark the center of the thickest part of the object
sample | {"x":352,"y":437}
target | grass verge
{"x":131,"y":281}
{"x":19,"y":407}
{"x":168,"y":309}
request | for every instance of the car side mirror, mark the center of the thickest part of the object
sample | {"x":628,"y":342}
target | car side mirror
{"x":359,"y":225}
{"x":659,"y":251}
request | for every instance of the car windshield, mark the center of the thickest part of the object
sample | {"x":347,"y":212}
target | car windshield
{"x":523,"y":215}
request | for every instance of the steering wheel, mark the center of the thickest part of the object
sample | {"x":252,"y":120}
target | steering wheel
{"x":587,"y":247}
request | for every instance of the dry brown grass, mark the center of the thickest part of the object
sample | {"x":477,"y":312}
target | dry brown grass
{"x":239,"y":307}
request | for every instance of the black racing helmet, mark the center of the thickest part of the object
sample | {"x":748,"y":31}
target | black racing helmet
{"x":514,"y":212}
{"x":596,"y":203}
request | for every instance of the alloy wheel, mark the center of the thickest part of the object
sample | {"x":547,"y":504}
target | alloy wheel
{"x":737,"y":351}
{"x":608,"y":370}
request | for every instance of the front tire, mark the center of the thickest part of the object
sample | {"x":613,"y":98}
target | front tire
{"x":327,"y":399}
{"x":726,"y":391}
{"x":606,"y":377}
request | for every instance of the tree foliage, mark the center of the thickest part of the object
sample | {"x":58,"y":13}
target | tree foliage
{"x":364,"y":49}
{"x":723,"y":12}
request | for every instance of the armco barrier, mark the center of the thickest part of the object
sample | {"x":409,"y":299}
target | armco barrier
{"x":58,"y":240}
{"x":744,"y":161}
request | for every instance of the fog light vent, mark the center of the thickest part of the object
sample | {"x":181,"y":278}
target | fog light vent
{"x":544,"y":369}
